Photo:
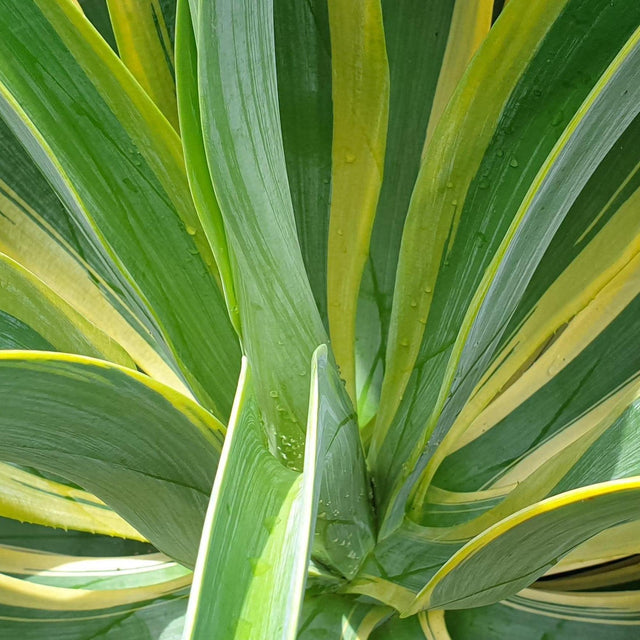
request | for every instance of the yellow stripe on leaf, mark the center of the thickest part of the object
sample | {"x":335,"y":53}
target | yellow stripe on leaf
{"x":360,"y":89}
{"x":30,"y":498}
{"x":19,"y":593}
{"x":470,"y":24}
{"x":145,"y":48}
{"x":30,"y":241}
{"x":607,"y":265}
{"x":439,"y":194}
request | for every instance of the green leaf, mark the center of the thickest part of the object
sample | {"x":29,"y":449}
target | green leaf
{"x":23,"y":535}
{"x":58,"y":576}
{"x":280,"y":323}
{"x":502,"y":187}
{"x":144,"y":45}
{"x":251,"y":569}
{"x":121,"y":130}
{"x":204,"y":197}
{"x":111,"y":574}
{"x":550,"y":431}
{"x":535,"y":614}
{"x":126,"y":598}
{"x":303,"y":63}
{"x":515,"y":552}
{"x":592,"y":133}
{"x":360,"y":92}
{"x":413,"y":628}
{"x":30,"y":301}
{"x":583,"y":289}
{"x":161,"y":618}
{"x":259,"y":531}
{"x":27,"y":497}
{"x":147,"y":451}
{"x":344,"y":533}
{"x":98,"y":13}
{"x":606,"y":449}
{"x":333,"y":617}
{"x":37,"y":232}
{"x":428,"y":45}
{"x":15,"y":334}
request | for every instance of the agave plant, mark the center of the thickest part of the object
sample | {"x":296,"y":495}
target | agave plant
{"x":319,"y":319}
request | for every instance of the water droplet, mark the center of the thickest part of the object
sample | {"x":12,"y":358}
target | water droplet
{"x":404,"y":342}
{"x":414,"y":304}
{"x":449,"y":185}
{"x":481,"y":238}
{"x":191,"y":230}
{"x":259,"y":567}
{"x":130,"y":185}
{"x":243,"y":629}
{"x":339,"y":232}
{"x":557,"y":119}
{"x":273,"y":393}
{"x":350,"y":158}
{"x":500,"y":153}
{"x":428,"y":289}
{"x":513,"y":163}
{"x":454,"y":202}
{"x":483,"y":184}
{"x":422,"y":320}
{"x":537,"y":93}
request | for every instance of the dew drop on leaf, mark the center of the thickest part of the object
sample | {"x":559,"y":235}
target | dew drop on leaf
{"x":243,"y":629}
{"x":270,"y":522}
{"x":259,"y":567}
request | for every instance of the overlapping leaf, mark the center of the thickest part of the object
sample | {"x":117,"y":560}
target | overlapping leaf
{"x":144,"y":449}
{"x":163,"y":254}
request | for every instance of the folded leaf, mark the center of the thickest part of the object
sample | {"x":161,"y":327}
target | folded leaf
{"x":516,"y":551}
{"x":280,"y":323}
{"x":144,"y":449}
{"x":250,"y":575}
